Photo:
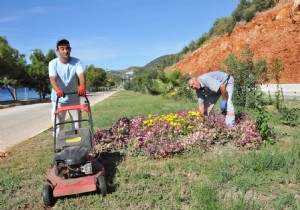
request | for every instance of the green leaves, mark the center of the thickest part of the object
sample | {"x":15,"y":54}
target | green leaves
{"x":246,"y":75}
{"x":290,"y":116}
{"x":12,"y":66}
{"x":37,"y":74}
{"x":247,"y":9}
{"x":262,"y":120}
{"x":95,"y":77}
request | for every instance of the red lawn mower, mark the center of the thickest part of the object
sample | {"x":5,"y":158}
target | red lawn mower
{"x":74,"y":170}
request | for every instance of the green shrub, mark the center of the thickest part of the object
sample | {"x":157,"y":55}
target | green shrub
{"x":276,"y":69}
{"x":185,"y":94}
{"x":239,"y":11}
{"x":142,"y":81}
{"x":290,"y":116}
{"x":270,"y":100}
{"x":192,"y":46}
{"x":205,"y":37}
{"x":247,"y":9}
{"x":222,"y":25}
{"x":262,"y":5}
{"x":249,"y":13}
{"x":246,"y":75}
{"x":262,"y":119}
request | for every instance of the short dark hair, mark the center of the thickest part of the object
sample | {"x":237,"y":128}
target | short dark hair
{"x":62,"y":42}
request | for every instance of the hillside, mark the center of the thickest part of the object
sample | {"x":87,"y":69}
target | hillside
{"x":158,"y":62}
{"x":271,"y":34}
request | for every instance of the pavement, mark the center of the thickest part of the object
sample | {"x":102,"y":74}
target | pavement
{"x":290,"y":91}
{"x":22,"y":120}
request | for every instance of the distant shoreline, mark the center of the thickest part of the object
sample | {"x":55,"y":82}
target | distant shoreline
{"x":22,"y":94}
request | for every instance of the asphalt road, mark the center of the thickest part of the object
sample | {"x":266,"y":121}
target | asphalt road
{"x":20,"y":123}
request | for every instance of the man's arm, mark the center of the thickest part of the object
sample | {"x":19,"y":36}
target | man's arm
{"x":223,"y":92}
{"x":201,"y":109}
{"x":81,"y":79}
{"x":81,"y":88}
{"x":53,"y":82}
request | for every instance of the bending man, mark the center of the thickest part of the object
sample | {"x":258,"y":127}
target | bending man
{"x":209,"y":87}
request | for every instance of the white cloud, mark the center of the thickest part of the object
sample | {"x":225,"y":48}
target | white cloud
{"x":7,"y":19}
{"x":36,"y":10}
{"x":21,"y":15}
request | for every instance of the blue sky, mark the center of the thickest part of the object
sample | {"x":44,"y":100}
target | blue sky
{"x":110,"y":34}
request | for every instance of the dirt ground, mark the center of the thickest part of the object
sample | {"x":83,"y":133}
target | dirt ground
{"x":271,"y":34}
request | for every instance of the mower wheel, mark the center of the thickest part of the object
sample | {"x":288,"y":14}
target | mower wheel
{"x":102,"y":185}
{"x":48,"y":195}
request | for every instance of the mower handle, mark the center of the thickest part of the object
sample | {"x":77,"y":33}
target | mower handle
{"x":87,"y":102}
{"x":71,"y":93}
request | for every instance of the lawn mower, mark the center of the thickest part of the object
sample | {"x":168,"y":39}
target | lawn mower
{"x":74,"y":169}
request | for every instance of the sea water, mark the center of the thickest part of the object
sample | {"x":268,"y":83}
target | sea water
{"x":22,"y":94}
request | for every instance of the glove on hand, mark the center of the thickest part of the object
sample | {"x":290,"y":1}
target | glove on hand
{"x":81,"y":90}
{"x":60,"y":93}
{"x":223,"y":105}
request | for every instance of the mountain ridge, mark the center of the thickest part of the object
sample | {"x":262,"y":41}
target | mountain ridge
{"x":270,"y":34}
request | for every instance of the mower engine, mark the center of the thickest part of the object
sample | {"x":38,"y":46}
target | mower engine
{"x":73,"y":171}
{"x":73,"y":162}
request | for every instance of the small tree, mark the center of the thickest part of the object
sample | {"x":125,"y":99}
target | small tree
{"x":238,"y":13}
{"x":204,"y":38}
{"x":247,"y":94}
{"x":276,"y":69}
{"x":262,"y":5}
{"x":192,"y":46}
{"x":221,"y":26}
{"x":143,"y":79}
{"x":95,"y":77}
{"x":247,"y":9}
{"x":38,"y":72}
{"x":247,"y":75}
{"x":12,"y":67}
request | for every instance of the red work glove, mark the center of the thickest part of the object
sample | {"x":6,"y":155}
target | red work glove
{"x":81,"y":90}
{"x":60,"y":93}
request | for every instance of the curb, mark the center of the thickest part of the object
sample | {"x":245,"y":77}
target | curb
{"x":27,"y":102}
{"x":7,"y":106}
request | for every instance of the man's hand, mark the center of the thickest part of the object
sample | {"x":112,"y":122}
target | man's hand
{"x":223,"y":105}
{"x":81,"y":90}
{"x":60,"y":93}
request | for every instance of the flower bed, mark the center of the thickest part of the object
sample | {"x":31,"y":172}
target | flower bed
{"x":163,"y":136}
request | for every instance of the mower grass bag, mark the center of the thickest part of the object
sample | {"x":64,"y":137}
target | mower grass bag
{"x":69,"y":138}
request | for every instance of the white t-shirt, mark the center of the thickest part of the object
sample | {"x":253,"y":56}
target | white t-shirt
{"x":67,"y":78}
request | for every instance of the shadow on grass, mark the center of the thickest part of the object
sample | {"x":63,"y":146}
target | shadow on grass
{"x":110,"y":161}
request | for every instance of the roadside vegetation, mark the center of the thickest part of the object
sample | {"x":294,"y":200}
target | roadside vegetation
{"x":223,"y":177}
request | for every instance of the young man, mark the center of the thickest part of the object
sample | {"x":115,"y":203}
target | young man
{"x":65,"y":73}
{"x":209,"y":87}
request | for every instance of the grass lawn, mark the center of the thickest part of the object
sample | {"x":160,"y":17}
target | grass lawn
{"x":223,"y":178}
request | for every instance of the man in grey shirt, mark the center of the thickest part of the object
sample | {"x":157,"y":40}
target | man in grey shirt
{"x":209,"y":87}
